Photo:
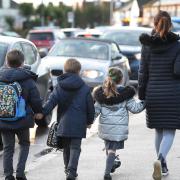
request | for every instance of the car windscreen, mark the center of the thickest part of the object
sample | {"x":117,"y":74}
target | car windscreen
{"x":89,"y":35}
{"x":81,"y":48}
{"x":123,"y":37}
{"x":41,"y":36}
{"x":68,"y":33}
{"x":3,"y":51}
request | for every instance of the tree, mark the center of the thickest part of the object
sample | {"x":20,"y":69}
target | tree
{"x":10,"y":22}
{"x":91,"y":15}
{"x":26,"y":10}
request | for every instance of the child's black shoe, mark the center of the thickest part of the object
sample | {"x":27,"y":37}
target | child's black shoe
{"x":9,"y":177}
{"x":70,"y":177}
{"x":117,"y":164}
{"x":66,"y":172}
{"x":107,"y":177}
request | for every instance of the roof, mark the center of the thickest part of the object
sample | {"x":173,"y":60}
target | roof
{"x":11,"y":40}
{"x":129,"y":28}
{"x":42,"y":30}
{"x":163,"y":2}
{"x":13,"y":4}
{"x":71,"y":29}
{"x":90,"y":39}
{"x":127,"y":5}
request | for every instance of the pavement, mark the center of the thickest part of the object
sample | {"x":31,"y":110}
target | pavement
{"x":137,"y":157}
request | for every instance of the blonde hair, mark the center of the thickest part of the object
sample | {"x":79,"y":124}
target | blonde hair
{"x":72,"y":66}
{"x":109,"y":86}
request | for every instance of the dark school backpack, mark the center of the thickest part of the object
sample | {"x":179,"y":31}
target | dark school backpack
{"x":12,"y":104}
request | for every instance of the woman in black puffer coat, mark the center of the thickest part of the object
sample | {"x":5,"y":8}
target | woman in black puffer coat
{"x":159,"y":85}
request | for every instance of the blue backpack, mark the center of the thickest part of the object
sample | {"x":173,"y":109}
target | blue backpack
{"x":12,"y":104}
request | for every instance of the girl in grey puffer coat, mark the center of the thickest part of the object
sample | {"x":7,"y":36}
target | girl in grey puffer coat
{"x":113,"y":104}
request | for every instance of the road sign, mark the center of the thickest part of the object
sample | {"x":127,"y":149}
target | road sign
{"x":70,"y":17}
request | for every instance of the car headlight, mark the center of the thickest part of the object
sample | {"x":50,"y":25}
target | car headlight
{"x":92,"y":74}
{"x":138,"y":56}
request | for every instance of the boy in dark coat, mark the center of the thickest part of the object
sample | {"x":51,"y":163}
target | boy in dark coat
{"x":75,"y":113}
{"x":14,"y":72}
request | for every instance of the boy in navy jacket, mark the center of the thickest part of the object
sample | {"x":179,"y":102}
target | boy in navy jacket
{"x":75,"y":113}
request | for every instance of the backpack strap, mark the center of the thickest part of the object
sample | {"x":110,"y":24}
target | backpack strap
{"x":17,"y":87}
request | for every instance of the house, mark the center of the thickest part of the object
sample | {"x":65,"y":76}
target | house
{"x":152,"y":8}
{"x":131,"y":11}
{"x":9,"y":8}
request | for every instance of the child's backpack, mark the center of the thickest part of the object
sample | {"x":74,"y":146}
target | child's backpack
{"x":12,"y":104}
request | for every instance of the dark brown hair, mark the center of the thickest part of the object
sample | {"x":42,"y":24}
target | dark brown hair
{"x":162,"y":23}
{"x":115,"y":76}
{"x":72,"y":66}
{"x":15,"y":58}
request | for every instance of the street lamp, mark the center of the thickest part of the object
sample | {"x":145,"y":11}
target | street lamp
{"x":42,"y":13}
{"x":111,"y":11}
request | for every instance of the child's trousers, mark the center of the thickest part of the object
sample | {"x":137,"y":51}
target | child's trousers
{"x":8,"y":138}
{"x":71,"y":154}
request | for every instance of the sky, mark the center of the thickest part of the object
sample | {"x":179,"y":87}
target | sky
{"x":56,"y":2}
{"x":35,"y":2}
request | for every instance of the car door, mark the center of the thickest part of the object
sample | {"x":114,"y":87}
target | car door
{"x":115,"y":55}
{"x":32,"y":58}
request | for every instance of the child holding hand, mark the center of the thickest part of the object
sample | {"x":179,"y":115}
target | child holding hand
{"x":113,"y":102}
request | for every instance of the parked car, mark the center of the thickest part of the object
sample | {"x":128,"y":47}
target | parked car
{"x":96,"y":56}
{"x":10,"y":33}
{"x":89,"y":33}
{"x":45,"y":38}
{"x":176,"y":27}
{"x":128,"y":40}
{"x":32,"y":61}
{"x":71,"y":32}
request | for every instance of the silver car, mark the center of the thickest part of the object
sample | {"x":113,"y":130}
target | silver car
{"x":95,"y":56}
{"x":32,"y":61}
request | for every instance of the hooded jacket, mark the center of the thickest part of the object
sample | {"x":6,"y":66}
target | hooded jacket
{"x":158,"y":84}
{"x":75,"y":106}
{"x":114,"y":116}
{"x":30,"y":93}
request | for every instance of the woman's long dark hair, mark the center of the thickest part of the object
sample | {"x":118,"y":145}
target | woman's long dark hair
{"x":162,"y":24}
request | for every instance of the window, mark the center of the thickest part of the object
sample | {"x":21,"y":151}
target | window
{"x":42,"y":36}
{"x":17,"y":46}
{"x":29,"y":53}
{"x":114,"y":50}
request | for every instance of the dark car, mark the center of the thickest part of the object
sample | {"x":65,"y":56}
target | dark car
{"x":128,"y":40}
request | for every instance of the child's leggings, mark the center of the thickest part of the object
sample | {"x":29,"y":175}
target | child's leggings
{"x":164,"y":140}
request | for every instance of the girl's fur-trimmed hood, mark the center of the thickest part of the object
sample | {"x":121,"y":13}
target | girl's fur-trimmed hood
{"x":155,"y":40}
{"x":125,"y":93}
